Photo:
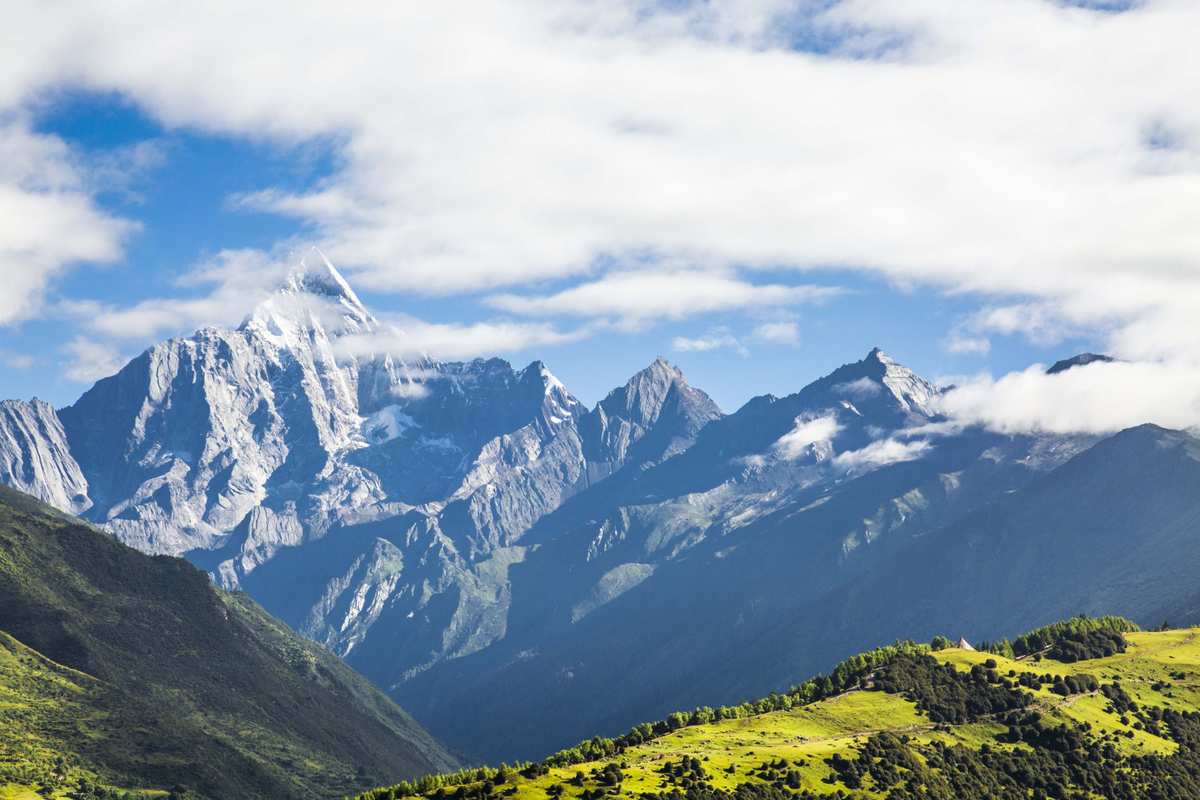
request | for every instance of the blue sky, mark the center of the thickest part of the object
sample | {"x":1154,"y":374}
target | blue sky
{"x":597,"y":186}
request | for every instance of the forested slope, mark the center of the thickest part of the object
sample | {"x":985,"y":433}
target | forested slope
{"x":122,"y":669}
{"x":1083,"y":709}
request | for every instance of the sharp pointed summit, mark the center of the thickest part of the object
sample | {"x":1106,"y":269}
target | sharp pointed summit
{"x":877,"y":384}
{"x":644,"y":395}
{"x":653,"y":416}
{"x":315,"y":274}
{"x":313,"y":292}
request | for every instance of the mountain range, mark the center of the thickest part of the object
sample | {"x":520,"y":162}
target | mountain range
{"x":476,"y":541}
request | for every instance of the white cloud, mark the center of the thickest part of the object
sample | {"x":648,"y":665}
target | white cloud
{"x":807,"y":431}
{"x":881,"y":453}
{"x":1097,"y":398}
{"x":718,"y":339}
{"x":519,"y":141}
{"x":412,"y":338}
{"x":91,"y":360}
{"x":1043,"y":323}
{"x":409,"y":391}
{"x":859,"y":388}
{"x":652,"y":294}
{"x":48,"y":219}
{"x":236,"y":282}
{"x":778,"y":333}
{"x":233,"y":282}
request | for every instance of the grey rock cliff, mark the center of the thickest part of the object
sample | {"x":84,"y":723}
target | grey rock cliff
{"x":36,"y":458}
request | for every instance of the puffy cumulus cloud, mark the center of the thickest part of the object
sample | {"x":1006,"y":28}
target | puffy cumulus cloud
{"x":48,"y":217}
{"x":1043,"y":323}
{"x":641,"y":295}
{"x":932,"y":142}
{"x":237,"y":283}
{"x":1097,"y":398}
{"x":859,"y":388}
{"x":784,"y":332}
{"x":412,"y":338}
{"x":807,"y":431}
{"x":881,"y":453}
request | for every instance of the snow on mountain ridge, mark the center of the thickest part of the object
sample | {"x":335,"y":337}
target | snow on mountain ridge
{"x":913,"y":392}
{"x":312,"y":296}
{"x":321,"y":277}
{"x":378,"y":505}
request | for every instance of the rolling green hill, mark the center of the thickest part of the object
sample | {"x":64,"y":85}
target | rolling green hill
{"x":1063,"y":721}
{"x":119,"y":669}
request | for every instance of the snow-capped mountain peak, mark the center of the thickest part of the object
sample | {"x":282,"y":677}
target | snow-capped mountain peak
{"x":878,"y":387}
{"x":313,"y":294}
{"x":315,"y":274}
{"x":911,"y":391}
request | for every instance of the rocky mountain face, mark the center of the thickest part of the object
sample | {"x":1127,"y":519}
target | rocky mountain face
{"x":36,"y":458}
{"x":475,"y":540}
{"x":981,"y":536}
{"x":641,"y":594}
{"x":240,"y":447}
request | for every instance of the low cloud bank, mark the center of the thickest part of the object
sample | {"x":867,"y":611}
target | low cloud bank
{"x":808,"y":431}
{"x":1097,"y":398}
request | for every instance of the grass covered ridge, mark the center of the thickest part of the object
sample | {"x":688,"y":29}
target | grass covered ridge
{"x":951,"y":723}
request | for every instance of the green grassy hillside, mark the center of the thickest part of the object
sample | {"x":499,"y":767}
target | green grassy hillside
{"x":123,"y":670}
{"x":907,"y":722}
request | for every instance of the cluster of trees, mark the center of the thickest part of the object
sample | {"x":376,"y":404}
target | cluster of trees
{"x":885,"y":757}
{"x":1059,"y":684}
{"x":89,"y":790}
{"x":686,"y":772}
{"x":947,"y":695}
{"x":1093,"y":644}
{"x":779,"y":773}
{"x":1077,"y":638}
{"x":1000,"y":647}
{"x":61,"y":777}
{"x":1119,"y":701}
{"x":484,"y":779}
{"x":608,"y":775}
{"x":1060,"y":762}
{"x":743,"y":791}
{"x":1073,"y":684}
